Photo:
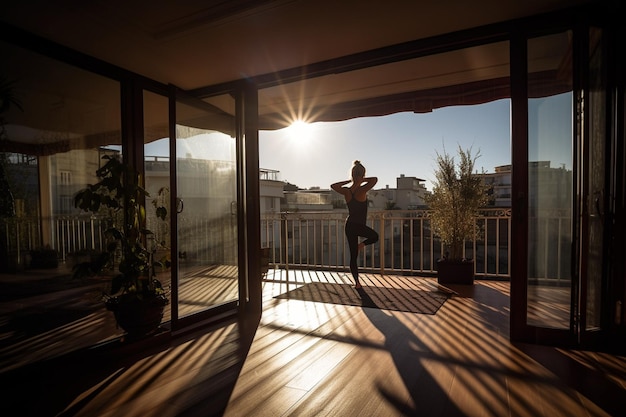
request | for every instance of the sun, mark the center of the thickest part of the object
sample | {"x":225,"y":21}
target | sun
{"x":301,"y":134}
{"x":300,"y":130}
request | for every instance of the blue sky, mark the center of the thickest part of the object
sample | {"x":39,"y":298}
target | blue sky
{"x":402,"y":143}
{"x":388,"y":146}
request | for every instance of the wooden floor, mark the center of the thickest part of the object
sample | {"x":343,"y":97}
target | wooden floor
{"x":316,"y":359}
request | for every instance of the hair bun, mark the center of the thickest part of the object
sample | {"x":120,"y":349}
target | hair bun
{"x":357,"y":162}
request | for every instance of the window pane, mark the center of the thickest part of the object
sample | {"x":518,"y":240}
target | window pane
{"x":207,"y":217}
{"x":157,"y":167}
{"x":52,"y":144}
{"x":550,"y":180}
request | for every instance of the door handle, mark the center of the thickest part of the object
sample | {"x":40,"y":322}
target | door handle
{"x":180,"y":205}
{"x":598,"y":203}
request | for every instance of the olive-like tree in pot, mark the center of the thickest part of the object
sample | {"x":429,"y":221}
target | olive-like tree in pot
{"x":458,"y":194}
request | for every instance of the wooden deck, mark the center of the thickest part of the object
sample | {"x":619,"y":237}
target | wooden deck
{"x":315,"y":359}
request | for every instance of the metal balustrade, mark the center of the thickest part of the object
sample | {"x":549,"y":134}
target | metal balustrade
{"x":316,"y":240}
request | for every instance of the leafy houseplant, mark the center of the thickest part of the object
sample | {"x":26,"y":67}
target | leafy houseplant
{"x":458,"y":193}
{"x":137,"y":298}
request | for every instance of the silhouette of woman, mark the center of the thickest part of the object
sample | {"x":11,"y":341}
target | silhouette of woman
{"x":356,"y":199}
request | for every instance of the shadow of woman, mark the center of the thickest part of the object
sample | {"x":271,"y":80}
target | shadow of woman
{"x":408,"y":352}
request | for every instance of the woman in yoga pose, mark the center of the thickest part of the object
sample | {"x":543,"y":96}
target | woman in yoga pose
{"x":356,"y":199}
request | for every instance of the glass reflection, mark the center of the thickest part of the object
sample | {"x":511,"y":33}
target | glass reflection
{"x":550,"y":179}
{"x":207,"y":222}
{"x":51,"y":146}
{"x":157,"y":178}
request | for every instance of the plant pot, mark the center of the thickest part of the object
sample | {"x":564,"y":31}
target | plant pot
{"x":138,"y":317}
{"x":455,"y":272}
{"x":44,"y":259}
{"x":264,"y":260}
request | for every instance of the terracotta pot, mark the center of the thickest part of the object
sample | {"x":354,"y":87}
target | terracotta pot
{"x":455,"y":272}
{"x":265,"y":260}
{"x":138,"y":317}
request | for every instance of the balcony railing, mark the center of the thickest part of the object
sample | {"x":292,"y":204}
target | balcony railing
{"x":316,"y":240}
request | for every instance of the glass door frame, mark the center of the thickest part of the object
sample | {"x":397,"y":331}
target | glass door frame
{"x":521,"y":331}
{"x":247,"y":206}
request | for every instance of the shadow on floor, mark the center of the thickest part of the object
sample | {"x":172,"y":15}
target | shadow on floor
{"x":64,"y":385}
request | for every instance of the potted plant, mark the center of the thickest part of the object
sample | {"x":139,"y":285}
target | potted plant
{"x":137,"y":297}
{"x":458,"y":193}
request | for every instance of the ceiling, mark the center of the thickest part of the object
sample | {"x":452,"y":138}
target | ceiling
{"x":198,"y":43}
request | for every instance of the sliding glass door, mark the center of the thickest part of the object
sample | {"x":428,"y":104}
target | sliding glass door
{"x":206,"y":205}
{"x":550,"y":182}
{"x":593,"y":191}
{"x":559,"y":171}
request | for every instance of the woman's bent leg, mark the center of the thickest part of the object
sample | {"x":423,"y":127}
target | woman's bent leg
{"x":370,"y":235}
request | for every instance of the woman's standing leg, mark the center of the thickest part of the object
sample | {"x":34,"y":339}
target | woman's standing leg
{"x":353,"y":245}
{"x":353,"y":231}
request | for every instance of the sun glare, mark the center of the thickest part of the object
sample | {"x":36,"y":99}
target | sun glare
{"x":300,"y":131}
{"x":298,"y":127}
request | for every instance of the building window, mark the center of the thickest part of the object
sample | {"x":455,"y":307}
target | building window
{"x":65,"y":178}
